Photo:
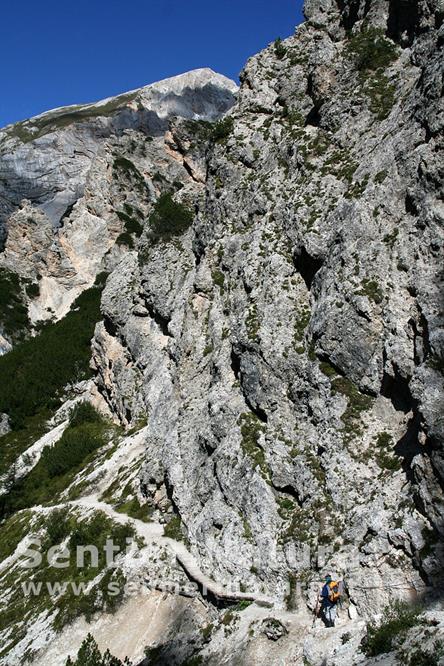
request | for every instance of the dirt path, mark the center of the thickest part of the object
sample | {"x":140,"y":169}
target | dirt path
{"x":153,"y":532}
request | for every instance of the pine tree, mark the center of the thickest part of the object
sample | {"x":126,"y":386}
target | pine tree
{"x":90,"y":655}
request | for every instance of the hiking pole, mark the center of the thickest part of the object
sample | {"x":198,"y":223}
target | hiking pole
{"x":316,"y":610}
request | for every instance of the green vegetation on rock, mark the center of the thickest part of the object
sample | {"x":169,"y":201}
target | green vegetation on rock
{"x":173,"y":529}
{"x":29,"y":130}
{"x":372,"y":53}
{"x":357,"y":403}
{"x":90,"y":655}
{"x":385,"y":456}
{"x":13,"y":313}
{"x":36,"y":372}
{"x":251,"y":430}
{"x":59,"y":463}
{"x":132,"y":224}
{"x":371,"y":50}
{"x":398,"y":619}
{"x":279,"y":49}
{"x":372,"y":290}
{"x":169,"y":218}
{"x":222,"y":130}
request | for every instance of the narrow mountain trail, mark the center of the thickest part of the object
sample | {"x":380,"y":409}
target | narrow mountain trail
{"x":154,"y":533}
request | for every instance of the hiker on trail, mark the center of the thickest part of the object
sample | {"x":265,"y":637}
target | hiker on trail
{"x":329,"y":598}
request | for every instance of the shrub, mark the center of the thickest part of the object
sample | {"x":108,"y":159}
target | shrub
{"x":83,"y":413}
{"x":36,"y":371}
{"x":90,"y":655}
{"x":173,"y":529}
{"x":132,"y":226}
{"x":279,"y":49}
{"x":13,"y":312}
{"x":421,"y":658}
{"x":33,"y":289}
{"x":371,"y":50}
{"x":125,"y":239}
{"x":169,"y":218}
{"x":127,"y":170}
{"x":399,"y":617}
{"x":381,"y":93}
{"x":222,"y":129}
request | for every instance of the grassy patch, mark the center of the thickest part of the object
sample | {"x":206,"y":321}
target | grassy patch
{"x":371,"y":290}
{"x":299,"y":329}
{"x":372,"y":53}
{"x":134,"y":509}
{"x":252,"y":323}
{"x":173,"y":529}
{"x":18,"y":613}
{"x":17,"y":441}
{"x":218,"y":279}
{"x":251,"y":429}
{"x":381,"y":93}
{"x":169,"y":218}
{"x":357,"y":403}
{"x":327,"y":369}
{"x":380,"y":176}
{"x":29,"y":130}
{"x":341,"y":165}
{"x":12,"y":532}
{"x":384,"y":453}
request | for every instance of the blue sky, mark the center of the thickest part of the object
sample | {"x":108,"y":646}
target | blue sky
{"x":55,"y":53}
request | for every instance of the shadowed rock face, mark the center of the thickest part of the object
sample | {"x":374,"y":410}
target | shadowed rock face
{"x":285,"y":348}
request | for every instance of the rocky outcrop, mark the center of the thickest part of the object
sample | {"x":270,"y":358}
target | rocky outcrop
{"x":285,"y":348}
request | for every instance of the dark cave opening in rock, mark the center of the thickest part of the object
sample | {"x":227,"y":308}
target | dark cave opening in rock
{"x":403,"y":19}
{"x":307,"y":266}
{"x":235,"y":363}
{"x":408,"y":446}
{"x":397,"y":390}
{"x":314,"y":117}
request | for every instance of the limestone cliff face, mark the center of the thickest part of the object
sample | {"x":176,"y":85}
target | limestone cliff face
{"x":62,"y":185}
{"x":286,"y":350}
{"x":289,"y":354}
